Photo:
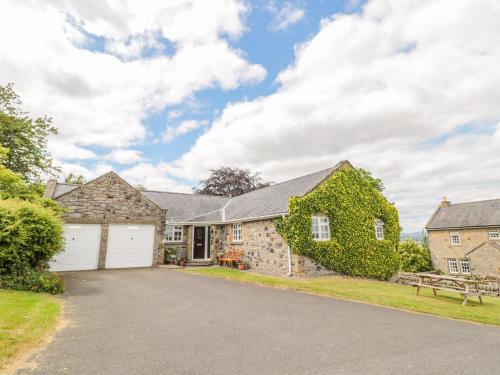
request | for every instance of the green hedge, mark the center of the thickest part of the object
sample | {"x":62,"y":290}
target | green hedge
{"x":30,"y":235}
{"x":33,"y":281}
{"x":352,"y":204}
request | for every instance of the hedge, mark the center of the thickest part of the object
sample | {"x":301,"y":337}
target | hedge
{"x":30,"y":235}
{"x":352,"y":204}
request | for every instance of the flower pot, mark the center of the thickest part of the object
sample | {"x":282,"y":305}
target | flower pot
{"x":242,"y":266}
{"x":182,"y":263}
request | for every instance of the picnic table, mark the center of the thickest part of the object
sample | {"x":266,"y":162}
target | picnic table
{"x":464,"y":286}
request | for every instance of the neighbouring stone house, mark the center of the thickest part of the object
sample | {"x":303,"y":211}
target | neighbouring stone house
{"x":464,"y":238}
{"x":109,"y":224}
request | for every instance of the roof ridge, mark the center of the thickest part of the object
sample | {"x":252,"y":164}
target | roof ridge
{"x":479,"y":201}
{"x":190,"y":194}
{"x":292,"y":179}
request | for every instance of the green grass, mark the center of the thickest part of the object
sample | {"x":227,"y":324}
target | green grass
{"x":446,"y":304}
{"x":25,"y":319}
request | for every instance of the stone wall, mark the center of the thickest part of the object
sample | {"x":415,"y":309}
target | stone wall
{"x":265,"y":250}
{"x":110,"y":200}
{"x":483,"y":261}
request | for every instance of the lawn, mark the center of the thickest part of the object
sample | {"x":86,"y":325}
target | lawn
{"x":446,"y":304}
{"x":25,"y":319}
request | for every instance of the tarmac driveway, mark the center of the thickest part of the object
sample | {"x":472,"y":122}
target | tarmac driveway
{"x":158,"y":321}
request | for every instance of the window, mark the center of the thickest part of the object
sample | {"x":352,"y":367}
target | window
{"x":453,"y":265}
{"x":493,"y":234}
{"x":237,"y":233}
{"x":173,"y":233}
{"x":455,"y":238}
{"x":379,"y":229}
{"x":320,"y":228}
{"x":465,"y":265}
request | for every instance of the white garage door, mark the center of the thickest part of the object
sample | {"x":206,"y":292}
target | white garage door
{"x":81,"y":248}
{"x":130,"y":246}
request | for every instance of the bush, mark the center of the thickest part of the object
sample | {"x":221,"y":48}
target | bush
{"x":414,"y":257}
{"x":33,"y":281}
{"x":30,"y":235}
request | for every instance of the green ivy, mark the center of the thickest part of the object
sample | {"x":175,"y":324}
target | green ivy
{"x":352,"y":204}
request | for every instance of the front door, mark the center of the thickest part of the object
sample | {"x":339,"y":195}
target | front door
{"x":199,"y":243}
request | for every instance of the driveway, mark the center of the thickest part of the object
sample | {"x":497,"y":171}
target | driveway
{"x":158,"y":321}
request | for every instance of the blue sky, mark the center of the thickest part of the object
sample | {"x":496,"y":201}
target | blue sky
{"x":164,"y":91}
{"x":274,"y":50}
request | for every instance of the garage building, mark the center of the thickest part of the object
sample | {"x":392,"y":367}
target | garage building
{"x":108,"y":224}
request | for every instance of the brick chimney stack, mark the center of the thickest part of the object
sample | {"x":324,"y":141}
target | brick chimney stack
{"x":445,"y":203}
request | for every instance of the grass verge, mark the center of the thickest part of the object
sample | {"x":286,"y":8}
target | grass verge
{"x":447,"y":304}
{"x":25,"y":320}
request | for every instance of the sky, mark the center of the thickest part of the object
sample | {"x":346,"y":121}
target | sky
{"x":164,"y":91}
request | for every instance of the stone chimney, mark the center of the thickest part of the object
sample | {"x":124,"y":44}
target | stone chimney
{"x":50,"y":188}
{"x":445,"y":203}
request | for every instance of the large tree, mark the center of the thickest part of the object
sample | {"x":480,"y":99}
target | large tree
{"x":230,"y":181}
{"x":25,"y":138}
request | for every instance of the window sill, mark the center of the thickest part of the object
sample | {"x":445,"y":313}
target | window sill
{"x":321,"y":240}
{"x":236,"y":242}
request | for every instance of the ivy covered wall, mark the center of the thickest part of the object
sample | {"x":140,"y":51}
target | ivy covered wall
{"x":352,"y":204}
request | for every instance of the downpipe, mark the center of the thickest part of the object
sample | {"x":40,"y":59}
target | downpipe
{"x":289,"y":255}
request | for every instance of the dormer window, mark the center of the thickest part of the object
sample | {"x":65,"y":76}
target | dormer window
{"x":379,"y":229}
{"x":320,"y":228}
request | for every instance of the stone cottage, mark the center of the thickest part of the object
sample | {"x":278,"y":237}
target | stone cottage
{"x":464,"y":238}
{"x":109,"y":224}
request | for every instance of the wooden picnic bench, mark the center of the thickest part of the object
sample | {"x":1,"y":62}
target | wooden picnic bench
{"x":230,"y":257}
{"x":465,"y":287}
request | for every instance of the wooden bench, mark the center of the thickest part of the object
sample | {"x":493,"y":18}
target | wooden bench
{"x":230,"y":257}
{"x":463,"y":286}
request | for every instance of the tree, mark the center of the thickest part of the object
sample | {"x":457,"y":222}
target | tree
{"x":140,"y":187}
{"x":25,"y":138}
{"x":375,"y":182}
{"x":230,"y":181}
{"x":74,"y":179}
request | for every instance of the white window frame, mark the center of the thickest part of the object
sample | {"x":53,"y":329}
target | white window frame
{"x":493,"y":234}
{"x":466,"y":262}
{"x":172,"y":233}
{"x":237,"y":233}
{"x":379,"y":230}
{"x":453,"y":265}
{"x":457,"y":236}
{"x":320,"y":226}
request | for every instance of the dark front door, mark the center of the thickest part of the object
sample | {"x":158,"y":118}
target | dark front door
{"x":199,"y":243}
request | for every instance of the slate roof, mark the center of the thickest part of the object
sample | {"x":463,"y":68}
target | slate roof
{"x":271,"y":201}
{"x":63,"y":188}
{"x":466,"y":215}
{"x":182,"y":207}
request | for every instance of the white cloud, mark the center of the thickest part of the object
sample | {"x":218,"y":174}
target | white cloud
{"x":174,"y":131}
{"x":153,"y":177}
{"x":102,"y":98}
{"x":288,"y":15}
{"x":123,"y":156}
{"x":409,"y":90}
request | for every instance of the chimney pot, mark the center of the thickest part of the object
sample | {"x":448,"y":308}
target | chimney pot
{"x":445,"y":203}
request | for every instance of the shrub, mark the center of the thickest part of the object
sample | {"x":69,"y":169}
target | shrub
{"x":414,"y":257}
{"x":30,"y":235}
{"x":33,"y":281}
{"x":352,"y":204}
